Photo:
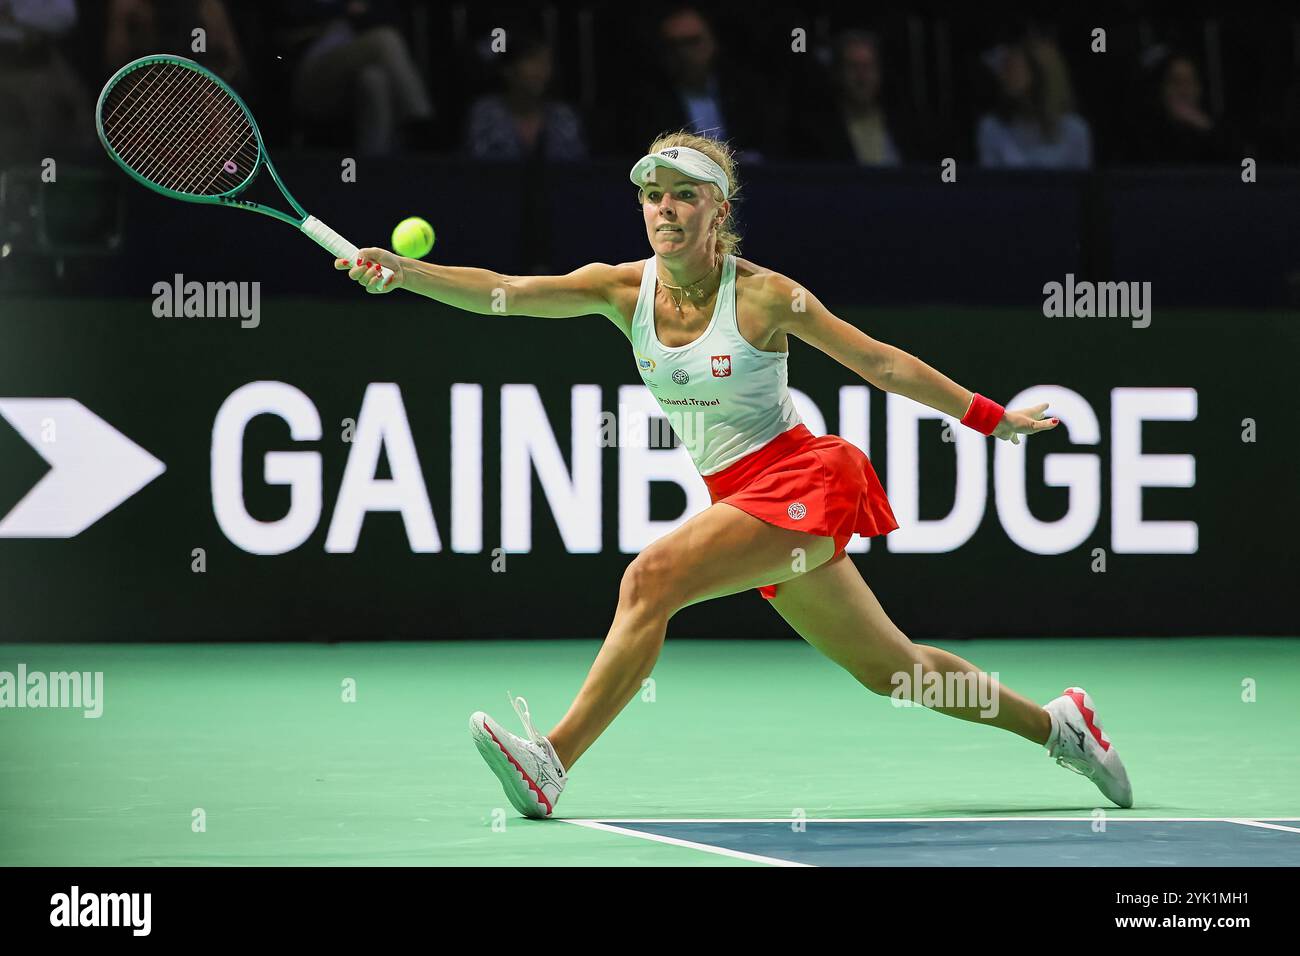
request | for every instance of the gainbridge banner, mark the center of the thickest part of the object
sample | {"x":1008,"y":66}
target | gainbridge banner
{"x":379,"y":468}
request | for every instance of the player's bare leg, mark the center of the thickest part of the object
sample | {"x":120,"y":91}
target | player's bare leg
{"x":720,"y":551}
{"x":833,"y":609}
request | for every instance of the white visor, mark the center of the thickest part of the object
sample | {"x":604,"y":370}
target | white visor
{"x":688,"y":162}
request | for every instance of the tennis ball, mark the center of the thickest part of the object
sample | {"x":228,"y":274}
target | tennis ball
{"x":413,"y":238}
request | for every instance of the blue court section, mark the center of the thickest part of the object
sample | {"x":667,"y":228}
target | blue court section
{"x":1021,"y":842}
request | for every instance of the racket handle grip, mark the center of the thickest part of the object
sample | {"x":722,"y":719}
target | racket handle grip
{"x":327,"y":238}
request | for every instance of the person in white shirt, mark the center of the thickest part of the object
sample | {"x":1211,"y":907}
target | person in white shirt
{"x":710,"y":335}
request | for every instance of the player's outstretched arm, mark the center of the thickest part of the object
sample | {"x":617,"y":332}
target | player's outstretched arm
{"x":585,"y":291}
{"x":885,"y":366}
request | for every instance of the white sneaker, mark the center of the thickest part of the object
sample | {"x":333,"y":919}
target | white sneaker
{"x":529,"y":770}
{"x":1077,"y":743}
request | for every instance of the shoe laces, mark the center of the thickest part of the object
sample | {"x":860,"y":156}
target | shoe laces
{"x":536,"y":739}
{"x":521,"y":710}
{"x":1080,"y":764}
{"x":1070,"y":764}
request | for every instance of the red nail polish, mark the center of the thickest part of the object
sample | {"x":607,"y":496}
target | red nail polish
{"x":1056,"y":421}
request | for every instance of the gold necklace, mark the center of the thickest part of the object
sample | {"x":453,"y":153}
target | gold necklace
{"x":691,"y":290}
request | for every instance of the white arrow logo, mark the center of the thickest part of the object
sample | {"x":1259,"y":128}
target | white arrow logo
{"x":93,"y":468}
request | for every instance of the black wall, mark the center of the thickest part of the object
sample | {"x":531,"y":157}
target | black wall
{"x":161,"y":381}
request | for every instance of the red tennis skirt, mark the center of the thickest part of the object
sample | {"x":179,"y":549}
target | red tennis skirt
{"x":824,"y":486}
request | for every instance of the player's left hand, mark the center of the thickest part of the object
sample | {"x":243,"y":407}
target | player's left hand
{"x":1024,"y":421}
{"x":366,"y":269}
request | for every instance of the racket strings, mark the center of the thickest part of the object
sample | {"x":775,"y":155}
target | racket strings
{"x":225,"y":122}
{"x":171,"y":151}
{"x":125,"y":133}
{"x":151,"y":129}
{"x":133,"y":128}
{"x":180,"y":130}
{"x":209,"y":125}
{"x":159,"y":141}
{"x":145,"y":145}
{"x":205,"y":161}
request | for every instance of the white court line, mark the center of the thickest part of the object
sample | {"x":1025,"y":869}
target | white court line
{"x":1082,"y":819}
{"x":690,"y":844}
{"x":1267,"y":826}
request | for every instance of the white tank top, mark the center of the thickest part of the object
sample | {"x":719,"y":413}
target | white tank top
{"x":723,"y":397}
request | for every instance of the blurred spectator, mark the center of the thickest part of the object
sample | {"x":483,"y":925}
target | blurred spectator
{"x":1281,"y":125}
{"x":852,"y":125}
{"x":1176,"y":128}
{"x":522,"y":122}
{"x":695,"y":92}
{"x":1033,"y":124}
{"x":352,"y":66}
{"x":139,"y":27}
{"x":42,"y":103}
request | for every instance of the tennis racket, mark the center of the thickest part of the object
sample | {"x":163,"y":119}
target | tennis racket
{"x":179,"y":129}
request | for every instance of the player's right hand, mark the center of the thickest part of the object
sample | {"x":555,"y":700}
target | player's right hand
{"x":365,"y":269}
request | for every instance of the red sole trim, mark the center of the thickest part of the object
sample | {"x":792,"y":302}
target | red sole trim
{"x":531,"y":785}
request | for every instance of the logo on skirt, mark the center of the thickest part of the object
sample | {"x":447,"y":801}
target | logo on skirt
{"x":721,"y":365}
{"x":797,"y":511}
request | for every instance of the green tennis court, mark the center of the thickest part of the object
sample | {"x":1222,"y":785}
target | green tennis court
{"x":755,"y":742}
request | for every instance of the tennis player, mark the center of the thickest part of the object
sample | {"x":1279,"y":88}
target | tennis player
{"x":709,"y":332}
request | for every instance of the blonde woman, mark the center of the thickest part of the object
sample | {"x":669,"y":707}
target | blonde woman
{"x":709,"y":333}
